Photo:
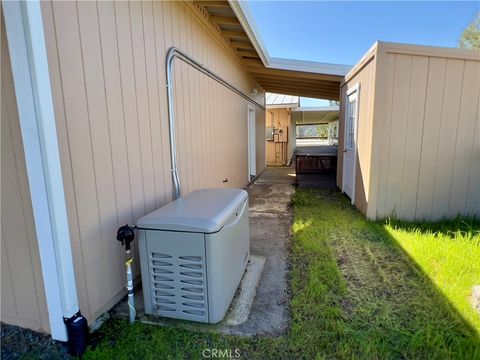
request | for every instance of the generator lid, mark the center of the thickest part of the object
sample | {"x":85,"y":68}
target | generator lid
{"x":203,"y":211}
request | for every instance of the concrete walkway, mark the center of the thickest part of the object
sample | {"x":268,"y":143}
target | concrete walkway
{"x":270,"y":221}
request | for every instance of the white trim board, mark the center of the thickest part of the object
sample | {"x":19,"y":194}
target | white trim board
{"x":252,"y":147}
{"x":26,"y":42}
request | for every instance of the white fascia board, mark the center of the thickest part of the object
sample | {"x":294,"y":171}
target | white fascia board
{"x":245,"y":17}
{"x":281,"y":106}
{"x":309,"y":66}
{"x":317,"y":108}
{"x":26,"y":42}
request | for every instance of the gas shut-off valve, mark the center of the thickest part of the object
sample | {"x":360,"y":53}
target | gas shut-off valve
{"x":126,"y":235}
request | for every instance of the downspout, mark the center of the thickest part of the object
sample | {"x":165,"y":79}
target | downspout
{"x":171,"y":55}
{"x":28,"y":54}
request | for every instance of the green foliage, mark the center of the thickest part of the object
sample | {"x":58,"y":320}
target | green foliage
{"x":470,"y":37}
{"x":322,"y":130}
{"x":356,"y":294}
{"x":312,"y":131}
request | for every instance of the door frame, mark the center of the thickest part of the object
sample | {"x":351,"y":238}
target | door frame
{"x":251,"y":141}
{"x":353,"y":90}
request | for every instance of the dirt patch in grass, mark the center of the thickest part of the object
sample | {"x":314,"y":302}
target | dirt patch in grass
{"x":475,"y":298}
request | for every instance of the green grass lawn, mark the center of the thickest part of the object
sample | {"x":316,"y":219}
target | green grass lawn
{"x":360,"y":290}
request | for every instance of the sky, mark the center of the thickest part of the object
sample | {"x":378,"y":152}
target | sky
{"x":340,"y":32}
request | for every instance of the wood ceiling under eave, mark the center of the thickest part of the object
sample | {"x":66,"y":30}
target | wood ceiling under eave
{"x":298,"y":83}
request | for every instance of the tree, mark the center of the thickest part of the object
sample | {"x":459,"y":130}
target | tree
{"x":322,"y":131}
{"x":470,"y":38}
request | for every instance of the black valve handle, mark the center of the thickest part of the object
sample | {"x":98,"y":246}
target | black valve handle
{"x":126,"y":235}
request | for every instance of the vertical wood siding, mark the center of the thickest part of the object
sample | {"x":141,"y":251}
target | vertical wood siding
{"x":418,"y":136}
{"x":22,"y":293}
{"x":107,"y":66}
{"x":429,"y":162}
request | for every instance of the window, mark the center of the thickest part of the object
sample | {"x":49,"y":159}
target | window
{"x":333,"y":132}
{"x":351,"y":118}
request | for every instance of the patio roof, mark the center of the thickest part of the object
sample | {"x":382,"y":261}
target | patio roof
{"x":233,"y":21}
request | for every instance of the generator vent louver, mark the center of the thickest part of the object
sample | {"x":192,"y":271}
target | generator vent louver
{"x":178,"y":284}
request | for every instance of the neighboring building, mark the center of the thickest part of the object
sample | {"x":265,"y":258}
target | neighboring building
{"x":280,"y":128}
{"x":86,"y":144}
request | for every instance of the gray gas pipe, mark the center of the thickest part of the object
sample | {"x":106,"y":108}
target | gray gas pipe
{"x":126,"y":235}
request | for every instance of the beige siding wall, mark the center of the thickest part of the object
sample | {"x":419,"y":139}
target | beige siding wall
{"x":22,"y":292}
{"x":365,"y":77}
{"x":108,"y":77}
{"x":427,"y":139}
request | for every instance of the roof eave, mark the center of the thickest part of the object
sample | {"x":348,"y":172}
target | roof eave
{"x":245,"y":18}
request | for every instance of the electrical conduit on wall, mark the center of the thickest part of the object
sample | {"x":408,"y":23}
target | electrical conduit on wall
{"x":171,"y":55}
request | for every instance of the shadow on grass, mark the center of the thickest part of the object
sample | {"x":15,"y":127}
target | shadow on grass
{"x":380,"y":303}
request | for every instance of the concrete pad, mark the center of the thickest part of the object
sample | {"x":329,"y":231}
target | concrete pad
{"x":243,"y":300}
{"x":237,"y":313}
{"x":257,"y":309}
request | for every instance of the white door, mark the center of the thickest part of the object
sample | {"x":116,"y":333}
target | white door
{"x":350,"y":145}
{"x":252,"y":157}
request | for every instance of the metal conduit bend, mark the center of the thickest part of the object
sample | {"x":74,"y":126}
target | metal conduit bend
{"x":173,"y":53}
